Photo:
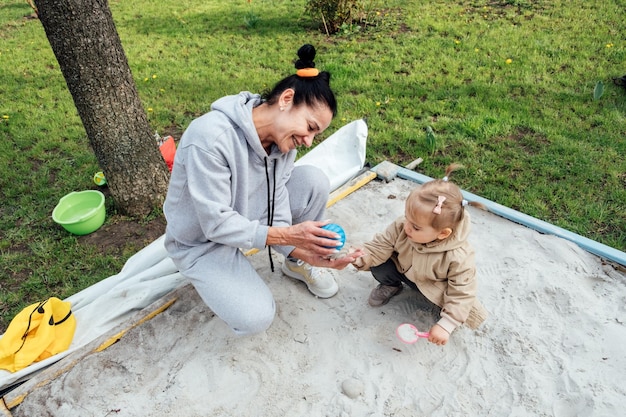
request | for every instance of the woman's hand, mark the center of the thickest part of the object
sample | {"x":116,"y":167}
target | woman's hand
{"x":308,"y":236}
{"x":438,"y":335}
{"x":313,"y":245}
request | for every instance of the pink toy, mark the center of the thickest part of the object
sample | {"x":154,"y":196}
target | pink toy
{"x":409,"y":333}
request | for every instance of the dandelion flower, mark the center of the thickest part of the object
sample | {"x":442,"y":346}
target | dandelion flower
{"x":145,"y":79}
{"x":153,"y":76}
{"x":457,"y":41}
{"x":508,"y":61}
{"x":5,"y":116}
{"x":378,"y":103}
{"x":609,"y":45}
{"x":150,"y":109}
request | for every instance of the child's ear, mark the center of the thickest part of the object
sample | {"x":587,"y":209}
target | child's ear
{"x":445,"y":233}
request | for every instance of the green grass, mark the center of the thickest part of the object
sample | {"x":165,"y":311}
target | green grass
{"x":507,"y":87}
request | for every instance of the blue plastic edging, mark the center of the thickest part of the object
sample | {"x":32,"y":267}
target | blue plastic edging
{"x":589,"y":245}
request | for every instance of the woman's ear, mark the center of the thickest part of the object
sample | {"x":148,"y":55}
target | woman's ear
{"x":286,"y":97}
{"x":445,"y":233}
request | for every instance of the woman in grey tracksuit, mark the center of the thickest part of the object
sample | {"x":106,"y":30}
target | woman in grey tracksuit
{"x":234,"y":186}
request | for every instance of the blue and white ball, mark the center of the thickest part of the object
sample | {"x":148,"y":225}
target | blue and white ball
{"x":333,"y":227}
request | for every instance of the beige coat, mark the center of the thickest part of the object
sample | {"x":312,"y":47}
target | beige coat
{"x":444,"y":271}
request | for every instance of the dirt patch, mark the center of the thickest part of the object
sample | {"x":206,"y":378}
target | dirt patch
{"x":120,"y":235}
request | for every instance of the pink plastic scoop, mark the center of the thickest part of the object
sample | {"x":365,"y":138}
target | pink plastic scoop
{"x":409,"y":333}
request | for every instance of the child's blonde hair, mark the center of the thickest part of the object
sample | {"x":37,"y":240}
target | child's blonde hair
{"x":441,"y":201}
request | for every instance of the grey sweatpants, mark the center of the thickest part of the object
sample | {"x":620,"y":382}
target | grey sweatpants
{"x":224,"y":277}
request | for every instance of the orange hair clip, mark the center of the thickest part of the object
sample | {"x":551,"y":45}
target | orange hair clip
{"x":307,"y":72}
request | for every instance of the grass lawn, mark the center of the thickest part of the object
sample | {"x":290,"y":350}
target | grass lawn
{"x":507,"y":88}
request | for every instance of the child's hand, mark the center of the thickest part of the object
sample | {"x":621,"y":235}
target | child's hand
{"x":338,"y":260}
{"x":357,"y":254}
{"x":438,"y":335}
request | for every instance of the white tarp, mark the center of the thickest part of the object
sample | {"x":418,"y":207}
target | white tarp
{"x":150,"y":273}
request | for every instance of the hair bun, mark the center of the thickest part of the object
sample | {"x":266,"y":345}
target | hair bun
{"x":306,"y":55}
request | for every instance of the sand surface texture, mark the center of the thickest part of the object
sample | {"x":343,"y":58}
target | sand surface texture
{"x":552,"y":346}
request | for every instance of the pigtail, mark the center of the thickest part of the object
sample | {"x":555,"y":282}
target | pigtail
{"x":455,"y":167}
{"x":474,"y":204}
{"x":450,"y":169}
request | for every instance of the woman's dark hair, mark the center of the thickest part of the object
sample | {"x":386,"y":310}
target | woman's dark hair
{"x":309,"y":90}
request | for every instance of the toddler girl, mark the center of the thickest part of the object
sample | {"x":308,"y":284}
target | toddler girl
{"x":427,"y":249}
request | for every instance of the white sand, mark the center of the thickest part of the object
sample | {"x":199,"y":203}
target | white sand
{"x":553,"y":345}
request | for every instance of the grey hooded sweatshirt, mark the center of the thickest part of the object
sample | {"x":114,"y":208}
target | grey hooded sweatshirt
{"x":224,"y":188}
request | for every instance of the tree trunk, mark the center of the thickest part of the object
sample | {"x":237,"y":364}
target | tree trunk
{"x":89,"y":51}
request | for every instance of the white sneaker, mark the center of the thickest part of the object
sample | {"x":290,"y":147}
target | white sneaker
{"x":319,"y":281}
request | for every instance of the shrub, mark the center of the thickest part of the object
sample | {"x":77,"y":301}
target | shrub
{"x":335,"y":14}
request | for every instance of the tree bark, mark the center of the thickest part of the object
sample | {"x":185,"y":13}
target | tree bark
{"x":86,"y":44}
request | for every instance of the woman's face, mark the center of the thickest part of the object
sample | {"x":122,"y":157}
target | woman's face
{"x":298,"y":126}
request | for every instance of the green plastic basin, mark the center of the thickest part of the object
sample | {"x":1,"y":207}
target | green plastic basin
{"x":80,"y":212}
